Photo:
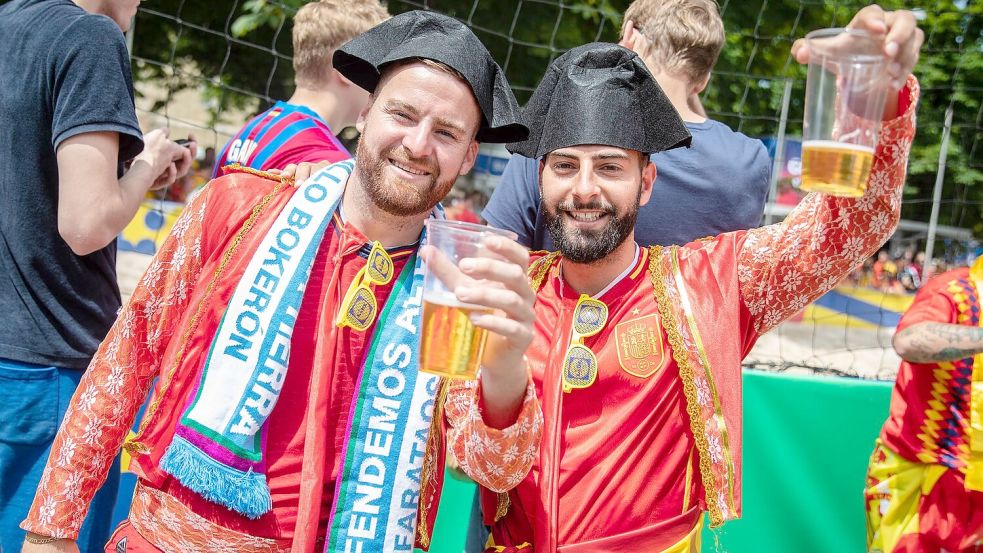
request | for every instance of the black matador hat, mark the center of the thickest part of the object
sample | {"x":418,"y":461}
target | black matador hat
{"x":429,"y":35}
{"x":600,"y":93}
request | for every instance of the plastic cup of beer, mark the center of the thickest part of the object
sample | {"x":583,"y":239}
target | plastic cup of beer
{"x":450,"y":344}
{"x":846,"y":88}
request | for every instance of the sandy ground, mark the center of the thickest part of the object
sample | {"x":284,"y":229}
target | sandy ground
{"x":809,"y":348}
{"x":794,"y":347}
{"x":129,"y":268}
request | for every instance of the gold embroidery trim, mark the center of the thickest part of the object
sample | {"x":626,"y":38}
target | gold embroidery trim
{"x":134,"y":446}
{"x":701,"y":349}
{"x":686,"y":375}
{"x":239,"y":168}
{"x":539,"y":269}
{"x":502,"y":507}
{"x":434,"y":446}
{"x":689,"y":480}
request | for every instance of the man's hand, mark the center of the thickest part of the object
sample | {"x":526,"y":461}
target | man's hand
{"x":165,"y":159}
{"x":500,"y":285}
{"x":901,"y":37}
{"x":93,"y":204}
{"x":300,"y":172}
{"x":57,"y":546}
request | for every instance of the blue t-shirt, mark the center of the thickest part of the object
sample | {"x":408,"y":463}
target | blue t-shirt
{"x":717,"y":185}
{"x":65,"y":72}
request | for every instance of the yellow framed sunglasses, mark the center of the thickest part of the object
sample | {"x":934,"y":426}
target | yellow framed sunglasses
{"x":359,"y":307}
{"x":579,"y":362}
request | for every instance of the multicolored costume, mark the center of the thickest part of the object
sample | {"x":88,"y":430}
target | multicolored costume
{"x":166,"y":333}
{"x":641,"y":384}
{"x":925,"y":480}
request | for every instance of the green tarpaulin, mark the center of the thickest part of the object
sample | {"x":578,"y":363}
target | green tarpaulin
{"x":806,"y":445}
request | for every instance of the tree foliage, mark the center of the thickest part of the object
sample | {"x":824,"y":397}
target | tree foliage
{"x":237,"y":52}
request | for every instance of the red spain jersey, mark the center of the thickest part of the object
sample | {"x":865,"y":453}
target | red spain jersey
{"x":929,"y":418}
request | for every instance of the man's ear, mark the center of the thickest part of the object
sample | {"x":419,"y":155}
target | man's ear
{"x":470,"y":158}
{"x":648,"y":182}
{"x":628,"y":35}
{"x":362,"y":115}
{"x":700,"y":85}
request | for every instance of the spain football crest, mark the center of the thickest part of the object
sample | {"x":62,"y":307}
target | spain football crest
{"x":641,"y":351}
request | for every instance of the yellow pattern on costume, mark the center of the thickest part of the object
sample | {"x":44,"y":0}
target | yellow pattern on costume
{"x":896,"y":487}
{"x":974,"y":468}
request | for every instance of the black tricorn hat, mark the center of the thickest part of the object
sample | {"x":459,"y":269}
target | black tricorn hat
{"x":600,"y":93}
{"x":429,"y":35}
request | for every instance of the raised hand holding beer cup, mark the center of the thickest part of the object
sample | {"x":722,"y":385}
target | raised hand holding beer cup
{"x":852,"y":83}
{"x":477,"y":311}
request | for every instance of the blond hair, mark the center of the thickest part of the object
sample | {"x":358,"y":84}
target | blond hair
{"x":321,"y":27}
{"x":684,"y":36}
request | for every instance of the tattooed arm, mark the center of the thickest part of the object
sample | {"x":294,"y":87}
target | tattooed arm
{"x":930,"y":342}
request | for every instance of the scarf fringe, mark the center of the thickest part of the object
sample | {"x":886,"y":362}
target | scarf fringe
{"x":243,"y":492}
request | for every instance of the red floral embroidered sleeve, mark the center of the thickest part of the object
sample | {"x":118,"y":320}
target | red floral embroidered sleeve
{"x":495,"y":459}
{"x":784,"y":267}
{"x":117,"y":381}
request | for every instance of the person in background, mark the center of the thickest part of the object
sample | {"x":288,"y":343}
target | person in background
{"x":68,"y":130}
{"x":918,"y":266}
{"x":304,"y":128}
{"x":679,"y":41}
{"x":461,"y":209}
{"x":925,"y":479}
{"x":908,"y":279}
{"x":883,"y":271}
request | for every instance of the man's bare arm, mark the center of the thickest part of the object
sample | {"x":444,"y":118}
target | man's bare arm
{"x":93,"y":206}
{"x":936,"y":342}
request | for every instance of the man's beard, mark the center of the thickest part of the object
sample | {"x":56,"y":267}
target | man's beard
{"x":396,"y":196}
{"x":589,"y":246}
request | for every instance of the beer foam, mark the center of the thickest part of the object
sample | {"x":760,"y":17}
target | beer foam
{"x":448,"y":299}
{"x":834,"y":145}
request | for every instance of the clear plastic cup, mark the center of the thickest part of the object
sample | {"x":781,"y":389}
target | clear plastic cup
{"x":450,"y":344}
{"x":846,"y":89}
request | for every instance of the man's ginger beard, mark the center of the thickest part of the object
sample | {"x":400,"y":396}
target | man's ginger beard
{"x":587,"y":247}
{"x":396,"y":196}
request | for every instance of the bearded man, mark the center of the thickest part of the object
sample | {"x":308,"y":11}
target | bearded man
{"x":281,"y":324}
{"x":637,"y":354}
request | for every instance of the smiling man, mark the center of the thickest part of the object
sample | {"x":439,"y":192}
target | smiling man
{"x":281,"y":323}
{"x":637,"y":352}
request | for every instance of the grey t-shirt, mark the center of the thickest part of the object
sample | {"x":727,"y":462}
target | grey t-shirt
{"x":65,"y":72}
{"x":717,"y":185}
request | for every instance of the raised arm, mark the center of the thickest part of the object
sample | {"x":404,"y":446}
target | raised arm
{"x":117,"y":381}
{"x":784,"y":267}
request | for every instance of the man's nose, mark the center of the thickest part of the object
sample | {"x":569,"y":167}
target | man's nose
{"x":584,"y":186}
{"x":418,"y":141}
